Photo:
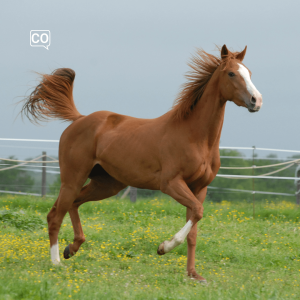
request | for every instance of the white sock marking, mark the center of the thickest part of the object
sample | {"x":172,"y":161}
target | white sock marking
{"x":54,"y":250}
{"x":179,"y":237}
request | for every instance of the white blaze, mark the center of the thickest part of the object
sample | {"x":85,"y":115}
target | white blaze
{"x":178,"y":238}
{"x":249,"y":85}
{"x":54,"y":250}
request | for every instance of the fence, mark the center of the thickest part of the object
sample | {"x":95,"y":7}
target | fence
{"x":48,"y":165}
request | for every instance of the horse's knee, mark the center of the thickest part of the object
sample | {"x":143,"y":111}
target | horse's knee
{"x":197,"y":212}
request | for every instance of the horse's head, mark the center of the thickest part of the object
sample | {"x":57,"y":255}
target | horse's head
{"x":235,"y":81}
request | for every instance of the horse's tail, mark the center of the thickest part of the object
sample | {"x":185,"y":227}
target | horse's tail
{"x":52,"y":98}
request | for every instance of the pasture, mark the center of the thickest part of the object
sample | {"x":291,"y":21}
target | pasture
{"x":241,"y":258}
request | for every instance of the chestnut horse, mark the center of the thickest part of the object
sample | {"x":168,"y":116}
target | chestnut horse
{"x":177,"y":153}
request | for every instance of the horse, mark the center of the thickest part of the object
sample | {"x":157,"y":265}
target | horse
{"x":176,"y":153}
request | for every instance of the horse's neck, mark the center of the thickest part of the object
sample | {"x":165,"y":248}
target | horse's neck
{"x":206,"y":120}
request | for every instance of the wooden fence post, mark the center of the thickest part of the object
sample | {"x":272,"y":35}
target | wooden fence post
{"x":133,"y":194}
{"x":44,"y":158}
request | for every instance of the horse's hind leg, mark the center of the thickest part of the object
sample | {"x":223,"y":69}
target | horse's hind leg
{"x":55,"y":217}
{"x":79,"y":238}
{"x":99,"y":188}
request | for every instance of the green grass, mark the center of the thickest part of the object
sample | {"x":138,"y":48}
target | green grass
{"x":241,"y":258}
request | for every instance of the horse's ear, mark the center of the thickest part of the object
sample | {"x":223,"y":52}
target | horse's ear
{"x":224,"y":52}
{"x":241,"y":55}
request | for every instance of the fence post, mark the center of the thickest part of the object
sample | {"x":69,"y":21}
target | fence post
{"x":298,"y":186}
{"x":253,"y":189}
{"x":44,"y":175}
{"x":133,"y":194}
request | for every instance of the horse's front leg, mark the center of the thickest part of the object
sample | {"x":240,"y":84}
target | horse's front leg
{"x":191,"y":242}
{"x":178,"y":189}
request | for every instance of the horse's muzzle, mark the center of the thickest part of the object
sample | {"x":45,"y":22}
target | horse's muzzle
{"x":255,"y":103}
{"x":253,"y":110}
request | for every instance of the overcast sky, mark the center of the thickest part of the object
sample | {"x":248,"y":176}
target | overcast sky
{"x":130,"y":57}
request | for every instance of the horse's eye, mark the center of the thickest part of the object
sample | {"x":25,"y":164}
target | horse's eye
{"x":231,"y":74}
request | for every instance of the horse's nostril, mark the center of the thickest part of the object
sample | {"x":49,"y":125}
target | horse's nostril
{"x":253,"y":100}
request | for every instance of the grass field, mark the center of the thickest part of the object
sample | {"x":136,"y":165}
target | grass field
{"x":241,"y":258}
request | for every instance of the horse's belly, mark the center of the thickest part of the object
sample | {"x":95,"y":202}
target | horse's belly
{"x":133,"y":175}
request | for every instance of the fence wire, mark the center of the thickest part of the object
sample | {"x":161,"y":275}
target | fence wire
{"x":31,"y":166}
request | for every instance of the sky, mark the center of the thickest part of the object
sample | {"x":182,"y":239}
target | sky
{"x":130,"y":57}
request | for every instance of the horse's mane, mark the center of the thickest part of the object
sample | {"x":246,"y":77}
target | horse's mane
{"x":203,"y":65}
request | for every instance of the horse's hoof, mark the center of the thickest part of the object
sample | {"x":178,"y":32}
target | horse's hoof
{"x":161,"y":249}
{"x":56,"y":263}
{"x":197,"y":277}
{"x":202,"y":281}
{"x":67,"y":253}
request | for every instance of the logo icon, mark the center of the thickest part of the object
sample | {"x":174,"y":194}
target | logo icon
{"x":40,"y":38}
